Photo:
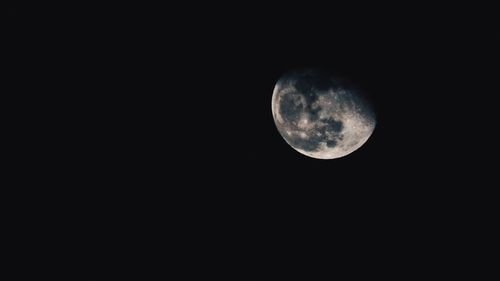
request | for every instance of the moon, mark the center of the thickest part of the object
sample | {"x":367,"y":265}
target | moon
{"x":320,"y":115}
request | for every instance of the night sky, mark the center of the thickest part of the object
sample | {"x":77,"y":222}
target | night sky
{"x":163,"y":158}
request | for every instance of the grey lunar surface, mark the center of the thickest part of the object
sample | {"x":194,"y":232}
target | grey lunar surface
{"x":321,"y":116}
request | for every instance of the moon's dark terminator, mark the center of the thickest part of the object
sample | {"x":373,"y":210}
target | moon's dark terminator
{"x":321,"y":116}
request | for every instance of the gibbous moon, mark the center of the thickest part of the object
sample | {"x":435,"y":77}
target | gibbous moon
{"x":320,"y":115}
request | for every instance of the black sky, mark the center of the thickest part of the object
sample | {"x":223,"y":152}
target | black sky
{"x":164,"y":157}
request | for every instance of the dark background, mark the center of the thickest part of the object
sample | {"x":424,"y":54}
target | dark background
{"x":149,"y":135}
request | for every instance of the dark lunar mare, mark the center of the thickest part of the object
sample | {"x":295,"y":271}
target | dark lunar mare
{"x":289,"y":110}
{"x":333,"y":125}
